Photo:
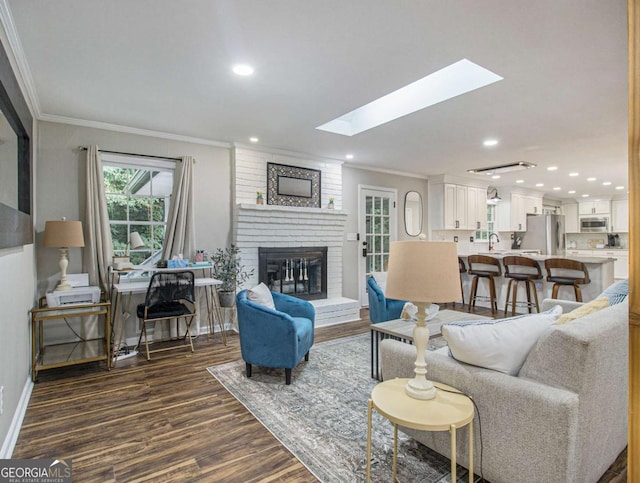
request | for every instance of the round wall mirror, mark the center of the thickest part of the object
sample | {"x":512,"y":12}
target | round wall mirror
{"x":413,"y":213}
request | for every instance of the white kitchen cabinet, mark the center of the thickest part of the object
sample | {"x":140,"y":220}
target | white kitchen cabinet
{"x":455,"y":207}
{"x":621,"y":264}
{"x":521,"y":206}
{"x":571,"y":224}
{"x":597,"y":207}
{"x":518,"y":215}
{"x":449,"y":207}
{"x":620,"y":216}
{"x":532,"y":205}
{"x":458,"y":207}
{"x":476,"y":208}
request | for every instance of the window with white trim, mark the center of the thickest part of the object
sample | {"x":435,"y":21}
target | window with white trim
{"x":483,"y":235}
{"x":138,"y":192}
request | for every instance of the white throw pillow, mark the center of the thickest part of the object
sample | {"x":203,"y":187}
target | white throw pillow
{"x":501,"y":345}
{"x":381,"y":280}
{"x":261,"y":295}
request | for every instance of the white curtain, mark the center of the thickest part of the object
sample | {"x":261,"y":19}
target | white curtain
{"x":98,"y":248}
{"x":180,"y":234}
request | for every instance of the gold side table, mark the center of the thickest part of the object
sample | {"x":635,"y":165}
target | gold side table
{"x":49,"y":356}
{"x":446,"y":412}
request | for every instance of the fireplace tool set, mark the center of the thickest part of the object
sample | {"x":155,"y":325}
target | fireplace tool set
{"x":290,"y":269}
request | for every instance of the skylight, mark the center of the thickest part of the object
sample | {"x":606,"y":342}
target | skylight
{"x":451,"y":81}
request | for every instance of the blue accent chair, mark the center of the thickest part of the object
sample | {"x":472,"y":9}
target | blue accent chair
{"x":275,"y":338}
{"x":381,"y":308}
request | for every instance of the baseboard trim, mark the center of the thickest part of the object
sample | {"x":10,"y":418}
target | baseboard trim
{"x":10,"y":440}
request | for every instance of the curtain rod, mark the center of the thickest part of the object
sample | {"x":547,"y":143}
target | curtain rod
{"x":84,"y":148}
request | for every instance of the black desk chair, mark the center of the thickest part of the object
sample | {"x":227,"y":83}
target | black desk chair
{"x":171,"y":295}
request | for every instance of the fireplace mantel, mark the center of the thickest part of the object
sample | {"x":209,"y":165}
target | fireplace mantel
{"x":291,"y":209}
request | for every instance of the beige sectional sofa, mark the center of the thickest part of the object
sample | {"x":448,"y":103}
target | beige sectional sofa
{"x":563,"y":418}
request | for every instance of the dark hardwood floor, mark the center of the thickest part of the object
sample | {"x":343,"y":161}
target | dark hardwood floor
{"x":166,"y":419}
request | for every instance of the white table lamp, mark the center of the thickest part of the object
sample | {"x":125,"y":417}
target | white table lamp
{"x":423,"y":272}
{"x":63,"y":234}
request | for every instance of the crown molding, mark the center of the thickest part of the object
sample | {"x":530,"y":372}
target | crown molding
{"x":14,"y":50}
{"x":131,"y":130}
{"x":386,"y":171}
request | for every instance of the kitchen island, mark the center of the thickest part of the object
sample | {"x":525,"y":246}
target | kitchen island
{"x":600,"y":273}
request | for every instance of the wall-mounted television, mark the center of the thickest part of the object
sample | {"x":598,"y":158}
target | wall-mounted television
{"x":16,"y":124}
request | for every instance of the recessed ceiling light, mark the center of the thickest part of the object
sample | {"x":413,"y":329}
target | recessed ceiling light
{"x":451,"y":81}
{"x":519,"y":181}
{"x":552,"y":168}
{"x":242,"y":69}
{"x":539,"y":185}
{"x":254,"y":139}
{"x":585,"y":196}
{"x":490,"y":142}
{"x":557,"y":188}
{"x":619,"y":187}
{"x":571,"y":192}
{"x":495,"y":176}
{"x":591,"y":179}
{"x":606,"y":183}
{"x":574,"y":174}
{"x":349,"y":156}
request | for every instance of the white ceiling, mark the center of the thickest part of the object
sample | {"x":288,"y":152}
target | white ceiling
{"x":165,"y":65}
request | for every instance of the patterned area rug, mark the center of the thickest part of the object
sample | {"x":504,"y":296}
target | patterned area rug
{"x":322,"y":416}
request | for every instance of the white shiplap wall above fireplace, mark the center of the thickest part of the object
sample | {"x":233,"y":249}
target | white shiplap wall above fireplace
{"x":283,"y":226}
{"x":251,"y":175}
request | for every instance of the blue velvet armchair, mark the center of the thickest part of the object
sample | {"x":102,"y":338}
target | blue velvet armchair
{"x":275,"y":338}
{"x":381,"y":308}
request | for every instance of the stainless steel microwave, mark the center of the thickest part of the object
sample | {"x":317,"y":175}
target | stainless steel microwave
{"x":594,"y":225}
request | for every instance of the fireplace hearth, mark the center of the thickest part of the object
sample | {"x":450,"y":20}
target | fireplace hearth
{"x":300,"y":272}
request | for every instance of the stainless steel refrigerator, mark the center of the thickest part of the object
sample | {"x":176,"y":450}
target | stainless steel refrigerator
{"x":544,"y":233}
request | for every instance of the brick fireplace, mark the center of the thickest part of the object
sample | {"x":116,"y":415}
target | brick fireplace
{"x":290,"y":229}
{"x":256,"y":227}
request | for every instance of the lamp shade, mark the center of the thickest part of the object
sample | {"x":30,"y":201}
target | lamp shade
{"x":135,"y":240}
{"x":423,"y":271}
{"x":63,"y":234}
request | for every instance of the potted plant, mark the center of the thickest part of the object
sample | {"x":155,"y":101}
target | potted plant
{"x":228,"y":269}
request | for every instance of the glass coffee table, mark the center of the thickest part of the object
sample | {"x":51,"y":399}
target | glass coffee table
{"x":402,"y":330}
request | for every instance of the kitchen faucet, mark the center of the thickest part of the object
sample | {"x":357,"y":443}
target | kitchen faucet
{"x":491,"y":247}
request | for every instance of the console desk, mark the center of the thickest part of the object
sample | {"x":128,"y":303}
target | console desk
{"x":209,"y":285}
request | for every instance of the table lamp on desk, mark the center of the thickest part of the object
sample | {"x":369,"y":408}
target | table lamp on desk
{"x":124,"y":263}
{"x":422,"y":272}
{"x":63,"y":234}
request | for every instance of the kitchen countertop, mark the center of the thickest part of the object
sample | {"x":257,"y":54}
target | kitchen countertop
{"x":599,"y":249}
{"x":503,"y":253}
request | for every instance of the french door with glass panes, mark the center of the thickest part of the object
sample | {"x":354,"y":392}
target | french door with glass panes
{"x":377,"y":229}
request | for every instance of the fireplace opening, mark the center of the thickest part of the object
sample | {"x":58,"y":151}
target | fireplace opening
{"x":301,"y":272}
